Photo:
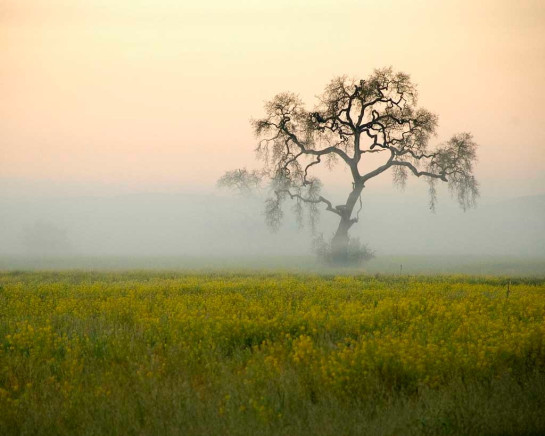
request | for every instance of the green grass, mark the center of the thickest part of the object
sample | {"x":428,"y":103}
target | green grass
{"x":410,"y":264}
{"x":173,"y":353}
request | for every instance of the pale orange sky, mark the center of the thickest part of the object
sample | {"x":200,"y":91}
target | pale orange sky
{"x":157,"y":94}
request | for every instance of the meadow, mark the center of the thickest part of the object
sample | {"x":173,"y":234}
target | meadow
{"x":174,"y":353}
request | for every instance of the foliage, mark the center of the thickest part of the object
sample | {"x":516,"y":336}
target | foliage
{"x":352,"y":120}
{"x":170,"y":353}
{"x":356,"y":254}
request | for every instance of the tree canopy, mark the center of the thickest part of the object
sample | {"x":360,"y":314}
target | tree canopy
{"x":352,"y":119}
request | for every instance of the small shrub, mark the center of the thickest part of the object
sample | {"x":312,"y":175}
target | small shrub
{"x":355,"y":254}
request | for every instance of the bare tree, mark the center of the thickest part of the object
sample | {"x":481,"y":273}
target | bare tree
{"x":353,"y":119}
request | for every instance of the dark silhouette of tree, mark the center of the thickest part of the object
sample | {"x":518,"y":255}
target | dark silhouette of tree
{"x":353,"y":119}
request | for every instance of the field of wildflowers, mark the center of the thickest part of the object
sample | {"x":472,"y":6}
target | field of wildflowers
{"x":226,"y":353}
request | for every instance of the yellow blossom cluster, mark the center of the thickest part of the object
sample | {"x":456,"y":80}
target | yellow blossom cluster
{"x":78,"y":339}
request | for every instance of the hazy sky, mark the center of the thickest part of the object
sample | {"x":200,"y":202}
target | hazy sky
{"x":157,"y":94}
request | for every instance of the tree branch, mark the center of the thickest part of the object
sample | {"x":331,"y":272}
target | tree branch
{"x":416,"y":172}
{"x":320,"y":199}
{"x":312,"y":152}
{"x":380,"y":169}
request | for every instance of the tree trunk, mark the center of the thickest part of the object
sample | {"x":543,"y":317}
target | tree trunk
{"x":340,"y":241}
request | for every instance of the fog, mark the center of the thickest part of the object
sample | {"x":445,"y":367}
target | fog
{"x":117,"y":118}
{"x":221,"y":224}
